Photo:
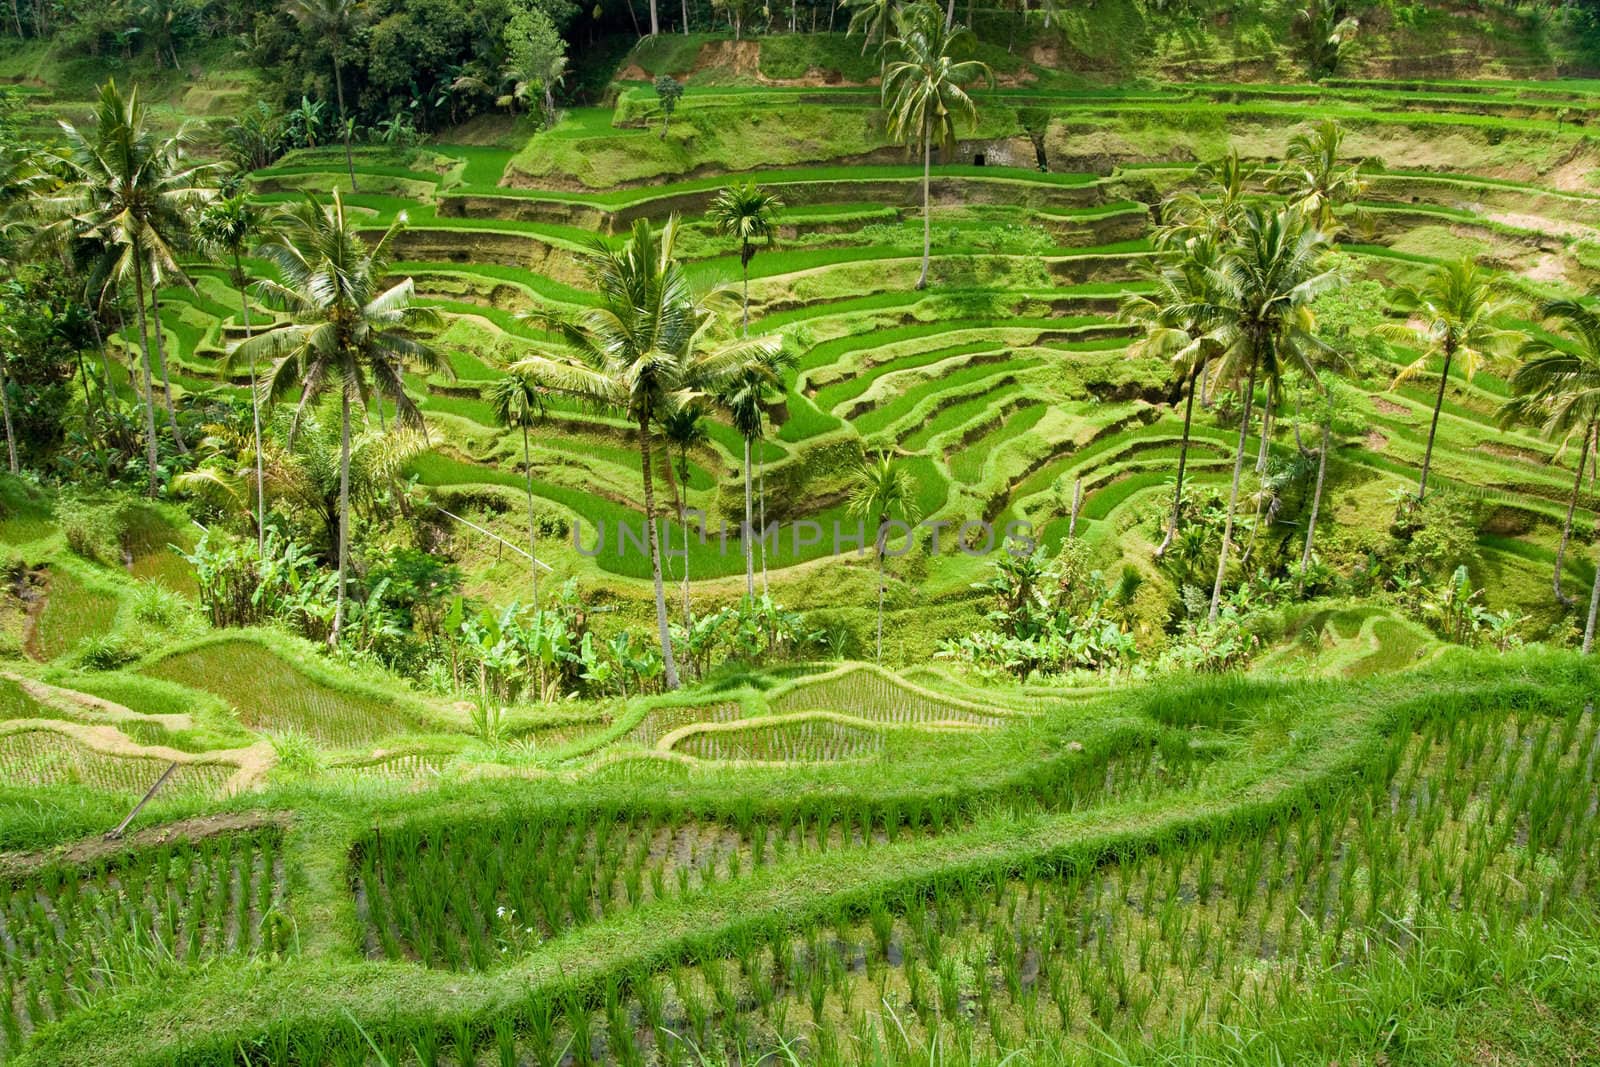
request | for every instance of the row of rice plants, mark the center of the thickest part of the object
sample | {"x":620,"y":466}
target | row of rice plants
{"x":879,"y":696}
{"x":465,"y":896}
{"x":272,"y":693}
{"x":69,"y":932}
{"x":1496,"y":816}
{"x":43,"y":757}
{"x":808,"y":740}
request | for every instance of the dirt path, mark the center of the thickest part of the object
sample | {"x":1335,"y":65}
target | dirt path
{"x":87,"y":850}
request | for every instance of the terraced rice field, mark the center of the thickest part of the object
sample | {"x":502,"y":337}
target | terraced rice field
{"x":43,"y":757}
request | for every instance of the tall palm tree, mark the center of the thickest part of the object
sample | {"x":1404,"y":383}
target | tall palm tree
{"x":129,"y":193}
{"x":642,"y":349}
{"x":746,"y":396}
{"x":1452,"y":317}
{"x":684,"y":428}
{"x":871,"y":18}
{"x":1265,"y":285}
{"x":1314,"y":179}
{"x":746,"y":211}
{"x":347,"y":331}
{"x":332,"y":22}
{"x":226,"y":228}
{"x":924,"y":92}
{"x":1179,"y":327}
{"x":517,"y":400}
{"x":1558,"y":386}
{"x":884,"y":492}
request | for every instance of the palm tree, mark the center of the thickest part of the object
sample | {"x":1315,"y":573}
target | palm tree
{"x":1265,"y":285}
{"x":923,"y":91}
{"x":1212,"y":210}
{"x":885,"y":492}
{"x":1558,"y":385}
{"x":1179,"y":327}
{"x":130,"y":194}
{"x":346,"y":331}
{"x":1452,"y":318}
{"x":225,"y":228}
{"x":517,"y":400}
{"x":684,"y":428}
{"x":1313,"y":178}
{"x":745,"y":396}
{"x":746,"y":211}
{"x":871,"y":18}
{"x":333,"y":23}
{"x":641,"y":350}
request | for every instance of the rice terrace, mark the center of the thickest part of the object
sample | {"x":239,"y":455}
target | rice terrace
{"x":865,"y":532}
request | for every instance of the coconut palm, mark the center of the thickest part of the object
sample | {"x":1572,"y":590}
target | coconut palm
{"x":871,"y":18}
{"x":1213,"y":209}
{"x":129,"y":193}
{"x":1558,"y":386}
{"x":347,"y":331}
{"x":884,"y":492}
{"x":1264,"y":287}
{"x":1179,"y":327}
{"x":332,"y":22}
{"x":746,"y":396}
{"x":1452,"y":317}
{"x":1314,"y":179}
{"x":746,"y":212}
{"x":518,"y":401}
{"x":923,"y":90}
{"x":684,"y":428}
{"x":226,"y":228}
{"x":641,"y":350}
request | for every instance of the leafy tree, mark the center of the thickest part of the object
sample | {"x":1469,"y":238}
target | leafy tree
{"x":519,"y":401}
{"x":668,"y":91}
{"x":1213,"y":209}
{"x":746,"y":211}
{"x":1265,"y":285}
{"x":347,"y":332}
{"x":130,"y":193}
{"x":924,"y":92}
{"x":640,"y":350}
{"x":1328,"y":32}
{"x":225,"y":228}
{"x":871,"y":18}
{"x":746,"y":395}
{"x":884,"y":492}
{"x":332,"y":23}
{"x":1558,"y":387}
{"x":1452,"y":317}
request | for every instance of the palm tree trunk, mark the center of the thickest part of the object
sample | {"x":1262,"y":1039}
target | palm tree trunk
{"x":1266,"y":425}
{"x":255,"y":418}
{"x":5,"y":405}
{"x":149,"y":386}
{"x":683,"y":518}
{"x":1316,"y":502}
{"x":1572,"y":507}
{"x":1594,"y":599}
{"x":1433,"y":427}
{"x":881,"y":587}
{"x":105,"y":390}
{"x":344,"y":514}
{"x":670,"y":672}
{"x":927,"y":224}
{"x":655,"y":23}
{"x":166,"y":376}
{"x":1233,"y":496}
{"x":1183,"y":462}
{"x":749,"y":531}
{"x":950,"y":14}
{"x":686,"y":18}
{"x":344,"y":119}
{"x":533,"y":534}
{"x":744,"y":256}
{"x":761,"y":465}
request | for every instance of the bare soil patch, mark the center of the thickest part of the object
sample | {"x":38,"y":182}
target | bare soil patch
{"x":1386,"y":406}
{"x":89,"y":849}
